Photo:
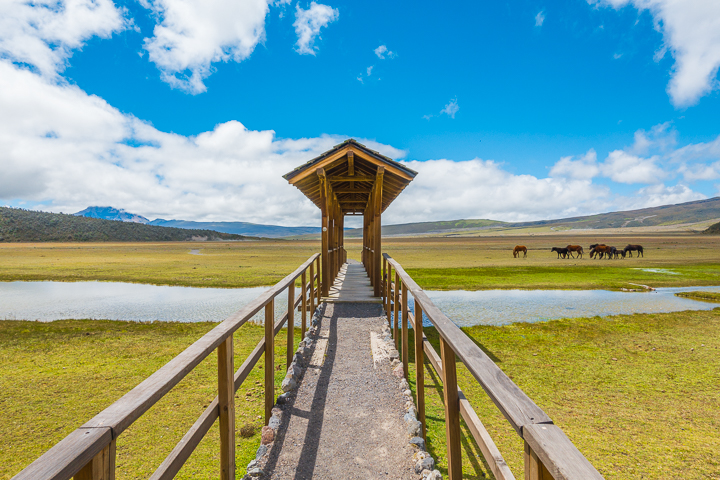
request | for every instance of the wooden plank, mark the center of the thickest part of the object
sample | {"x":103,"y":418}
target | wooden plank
{"x":405,"y":341}
{"x":452,"y":411}
{"x":419,"y":365}
{"x":514,"y":404}
{"x":557,"y":453}
{"x":269,"y":360}
{"x":318,"y":292}
{"x":226,"y":409}
{"x":290,"y":326}
{"x":358,"y":190}
{"x":351,"y":162}
{"x":68,"y":456}
{"x":377,"y":231}
{"x":303,"y":295}
{"x":396,"y":310}
{"x":101,"y":467}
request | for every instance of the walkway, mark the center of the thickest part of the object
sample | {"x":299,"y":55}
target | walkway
{"x":346,"y":421}
{"x":352,"y":285}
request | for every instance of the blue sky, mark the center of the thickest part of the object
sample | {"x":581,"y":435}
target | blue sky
{"x":509,"y":110}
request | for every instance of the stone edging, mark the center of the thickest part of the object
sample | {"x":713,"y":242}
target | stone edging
{"x":289,"y":386}
{"x":424,"y":462}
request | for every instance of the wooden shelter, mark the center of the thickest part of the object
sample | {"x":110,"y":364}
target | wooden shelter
{"x":351,"y":179}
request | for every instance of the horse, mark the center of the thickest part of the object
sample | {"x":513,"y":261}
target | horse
{"x":634,"y":248}
{"x":560,"y":251}
{"x":620,"y":253}
{"x":575,"y":248}
{"x":518,"y":249}
{"x":600,"y":250}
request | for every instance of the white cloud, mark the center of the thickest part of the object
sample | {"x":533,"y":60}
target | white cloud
{"x":382,"y":52}
{"x":583,"y":168}
{"x":308,"y":24}
{"x":44,"y":33}
{"x":369,"y":70}
{"x":445,"y":190}
{"x":657,"y":195}
{"x":451,"y":108}
{"x":691,"y":31}
{"x":540,"y":18}
{"x":193,"y":34}
{"x":623,"y":167}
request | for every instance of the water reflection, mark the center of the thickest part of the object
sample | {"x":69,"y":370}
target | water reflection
{"x":47,"y":301}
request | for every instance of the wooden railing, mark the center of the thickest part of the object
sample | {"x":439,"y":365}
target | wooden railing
{"x":549,"y":453}
{"x":88,"y":453}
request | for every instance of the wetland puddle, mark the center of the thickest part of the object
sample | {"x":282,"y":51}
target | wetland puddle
{"x":47,"y":301}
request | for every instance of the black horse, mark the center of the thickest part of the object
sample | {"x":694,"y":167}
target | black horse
{"x":634,"y":248}
{"x":560,"y":251}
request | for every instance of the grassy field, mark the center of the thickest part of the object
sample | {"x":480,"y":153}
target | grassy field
{"x":435,"y":263}
{"x":637,"y":394}
{"x":60,"y":374}
{"x":705,"y":296}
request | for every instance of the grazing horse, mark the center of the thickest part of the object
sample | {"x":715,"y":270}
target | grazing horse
{"x":518,"y":249}
{"x":560,"y":251}
{"x":600,"y":250}
{"x":575,"y":248}
{"x":634,"y":248}
{"x":620,"y":253}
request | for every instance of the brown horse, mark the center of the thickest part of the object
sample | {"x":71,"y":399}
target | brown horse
{"x":601,"y":250}
{"x":634,"y":248}
{"x":518,"y":249}
{"x":575,"y":248}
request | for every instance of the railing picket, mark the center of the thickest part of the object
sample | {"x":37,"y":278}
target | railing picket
{"x":226,"y":408}
{"x":534,"y":468}
{"x":269,"y":360}
{"x":405,"y":345}
{"x":396,"y":308}
{"x":419,"y":366}
{"x":303,"y":306}
{"x":319,"y":281}
{"x":452,"y":411}
{"x":290,"y":325}
{"x":312,"y":292}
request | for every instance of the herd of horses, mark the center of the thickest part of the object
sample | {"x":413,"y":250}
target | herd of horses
{"x":598,"y":250}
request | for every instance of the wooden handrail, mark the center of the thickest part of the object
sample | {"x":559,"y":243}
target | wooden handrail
{"x":549,"y":446}
{"x":78,"y":449}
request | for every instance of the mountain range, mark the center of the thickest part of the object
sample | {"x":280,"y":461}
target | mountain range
{"x":237,"y":228}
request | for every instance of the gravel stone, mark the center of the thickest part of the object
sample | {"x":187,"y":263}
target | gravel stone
{"x":261,"y":451}
{"x":418,"y":443}
{"x":414,"y":429}
{"x":268,"y":435}
{"x":426,"y":463}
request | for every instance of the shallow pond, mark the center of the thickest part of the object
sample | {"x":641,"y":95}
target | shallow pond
{"x":47,"y":301}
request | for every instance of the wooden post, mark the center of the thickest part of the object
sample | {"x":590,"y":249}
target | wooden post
{"x":290,"y":324}
{"x":384,"y":279}
{"x":405,"y":346}
{"x":325,"y":245}
{"x":101,"y":467}
{"x":320,"y":281}
{"x":388,"y":295}
{"x":269,"y":359}
{"x":312,"y":292}
{"x":452,"y":411}
{"x":396,"y":310}
{"x":419,"y":365}
{"x":377,"y":230}
{"x":303,"y":302}
{"x":226,"y":407}
{"x":534,"y":468}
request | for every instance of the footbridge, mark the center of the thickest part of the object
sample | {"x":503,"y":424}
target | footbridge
{"x":345,"y":408}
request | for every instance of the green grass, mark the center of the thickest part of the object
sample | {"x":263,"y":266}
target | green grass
{"x":707,"y":296}
{"x":57,"y":375}
{"x":637,"y":394}
{"x":572,"y":276}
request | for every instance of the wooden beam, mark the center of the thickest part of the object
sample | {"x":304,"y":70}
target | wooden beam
{"x":365,"y":191}
{"x":351,"y":163}
{"x":345,"y":178}
{"x":377,"y":229}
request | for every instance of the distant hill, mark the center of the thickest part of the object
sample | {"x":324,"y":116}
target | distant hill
{"x":713,"y":229}
{"x":429,"y":228}
{"x":683,"y":213}
{"x":239,"y":228}
{"x":110,"y":213}
{"x":17,"y":225}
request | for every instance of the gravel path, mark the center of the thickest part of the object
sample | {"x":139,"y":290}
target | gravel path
{"x":346,"y":421}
